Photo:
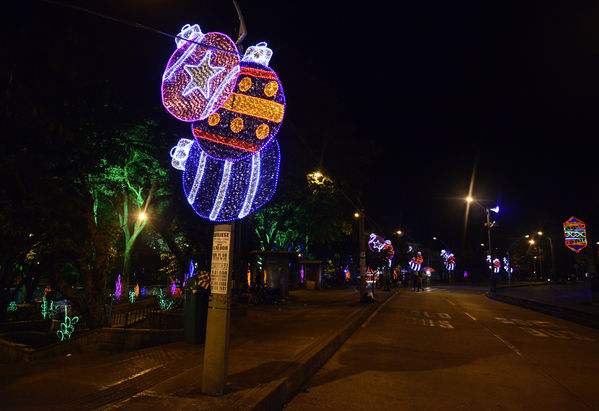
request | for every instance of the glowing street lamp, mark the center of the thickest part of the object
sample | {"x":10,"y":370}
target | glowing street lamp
{"x":142,"y":216}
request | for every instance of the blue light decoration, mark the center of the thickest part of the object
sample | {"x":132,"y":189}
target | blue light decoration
{"x":189,"y":273}
{"x":449,"y":259}
{"x":200,"y":75}
{"x":232,"y":167}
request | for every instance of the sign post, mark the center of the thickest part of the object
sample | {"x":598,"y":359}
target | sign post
{"x":216,"y":348}
{"x":575,"y":234}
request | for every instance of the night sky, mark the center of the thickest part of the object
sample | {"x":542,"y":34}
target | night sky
{"x":409,"y":99}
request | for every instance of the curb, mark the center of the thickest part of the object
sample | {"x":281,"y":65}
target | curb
{"x":276,"y":393}
{"x":579,"y":317}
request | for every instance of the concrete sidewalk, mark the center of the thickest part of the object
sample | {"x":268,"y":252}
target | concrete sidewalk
{"x":273,"y":350}
{"x":572,"y":302}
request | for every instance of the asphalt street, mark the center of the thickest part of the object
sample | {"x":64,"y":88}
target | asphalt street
{"x":452,"y":348}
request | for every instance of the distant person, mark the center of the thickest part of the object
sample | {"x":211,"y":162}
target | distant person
{"x":420,"y":283}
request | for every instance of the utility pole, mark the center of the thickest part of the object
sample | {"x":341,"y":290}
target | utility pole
{"x":362,"y":243}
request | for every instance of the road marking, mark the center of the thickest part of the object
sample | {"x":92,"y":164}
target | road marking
{"x":377,"y":310}
{"x":134,"y":376}
{"x":450,"y":302}
{"x":507,"y":344}
{"x":471,"y":316}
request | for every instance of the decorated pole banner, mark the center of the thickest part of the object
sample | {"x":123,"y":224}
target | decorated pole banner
{"x":575,"y":234}
{"x":251,"y":116}
{"x":200,"y":75}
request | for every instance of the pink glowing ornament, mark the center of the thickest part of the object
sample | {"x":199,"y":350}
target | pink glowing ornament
{"x":118,"y":288}
{"x":200,"y":75}
{"x":376,"y":243}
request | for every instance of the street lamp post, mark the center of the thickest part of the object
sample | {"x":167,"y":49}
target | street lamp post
{"x":362,"y":241}
{"x":489,"y":224}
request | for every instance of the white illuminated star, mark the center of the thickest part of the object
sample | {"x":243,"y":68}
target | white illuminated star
{"x":200,"y":76}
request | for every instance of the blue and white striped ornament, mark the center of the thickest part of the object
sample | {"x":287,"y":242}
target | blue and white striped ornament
{"x":223,"y":190}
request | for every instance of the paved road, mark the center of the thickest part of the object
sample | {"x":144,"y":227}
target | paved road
{"x":457,"y":349}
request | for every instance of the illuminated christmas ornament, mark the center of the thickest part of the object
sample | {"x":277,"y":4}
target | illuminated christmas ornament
{"x":416,"y":262}
{"x":496,"y":265}
{"x":376,"y":243}
{"x":222,"y":190}
{"x":489,"y":262}
{"x":506,"y":266}
{"x":449,"y":260}
{"x":200,"y":75}
{"x":251,"y":116}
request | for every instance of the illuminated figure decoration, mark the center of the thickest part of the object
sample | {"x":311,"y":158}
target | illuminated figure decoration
{"x":118,"y":288}
{"x":137,"y":290}
{"x":200,"y":75}
{"x":131,"y":296}
{"x":252,"y":115}
{"x":449,"y":260}
{"x":173,"y":288}
{"x":416,"y":262}
{"x":489,"y":262}
{"x":47,"y":289}
{"x":465,"y":274}
{"x":12,"y":306}
{"x":67,"y":328}
{"x":142,"y":291}
{"x":506,"y":266}
{"x":222,"y":190}
{"x":496,"y":265}
{"x":376,"y":243}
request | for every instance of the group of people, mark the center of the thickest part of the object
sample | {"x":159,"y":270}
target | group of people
{"x":417,"y":280}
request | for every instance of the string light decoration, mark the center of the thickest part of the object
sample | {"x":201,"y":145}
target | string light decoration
{"x":222,"y":190}
{"x":12,"y":306}
{"x":251,"y":116}
{"x":416,"y":261}
{"x":200,"y":75}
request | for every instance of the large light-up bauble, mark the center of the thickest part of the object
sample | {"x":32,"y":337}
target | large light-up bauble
{"x":200,"y":75}
{"x":222,"y":190}
{"x":251,"y":116}
{"x":376,"y":243}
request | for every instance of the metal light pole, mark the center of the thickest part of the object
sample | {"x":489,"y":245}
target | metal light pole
{"x":362,"y":241}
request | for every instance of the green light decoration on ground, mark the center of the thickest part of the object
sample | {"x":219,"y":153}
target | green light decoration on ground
{"x":163,"y":302}
{"x":67,"y":328}
{"x":48,"y":311}
{"x":131,"y":296}
{"x":12,"y":306}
